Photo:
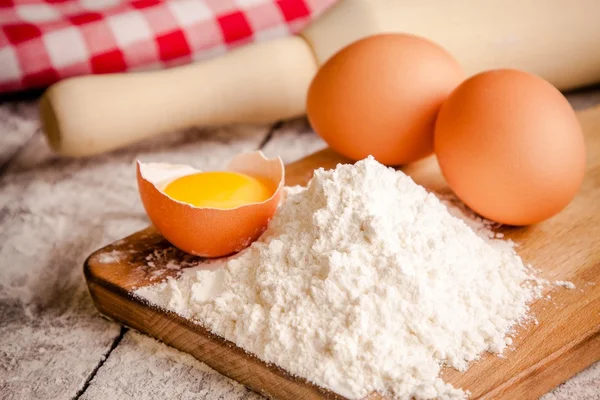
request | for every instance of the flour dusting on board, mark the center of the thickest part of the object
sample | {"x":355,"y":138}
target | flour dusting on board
{"x":363,"y":282}
{"x":110,"y":257}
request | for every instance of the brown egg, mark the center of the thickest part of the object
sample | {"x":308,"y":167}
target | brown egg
{"x":380,"y":95}
{"x":510,"y":146}
{"x":209,"y":231}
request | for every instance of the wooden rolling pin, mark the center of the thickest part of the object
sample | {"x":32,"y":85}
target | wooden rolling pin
{"x":556,"y":39}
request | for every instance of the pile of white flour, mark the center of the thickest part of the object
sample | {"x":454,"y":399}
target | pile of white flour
{"x":362,"y":282}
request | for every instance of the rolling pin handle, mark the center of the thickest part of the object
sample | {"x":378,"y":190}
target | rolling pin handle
{"x":258,"y":83}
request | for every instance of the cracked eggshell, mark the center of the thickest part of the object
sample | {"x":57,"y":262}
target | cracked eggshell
{"x":209,"y":232}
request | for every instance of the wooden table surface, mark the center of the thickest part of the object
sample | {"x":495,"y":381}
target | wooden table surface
{"x":55,"y":211}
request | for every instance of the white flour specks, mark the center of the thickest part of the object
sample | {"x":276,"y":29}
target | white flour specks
{"x":565,"y":284}
{"x":110,"y":257}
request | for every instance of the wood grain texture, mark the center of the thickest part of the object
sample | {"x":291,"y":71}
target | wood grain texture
{"x":141,"y":368}
{"x":564,"y":341}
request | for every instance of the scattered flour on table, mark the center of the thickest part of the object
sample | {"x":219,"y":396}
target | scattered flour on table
{"x":565,"y":284}
{"x":363,"y":282}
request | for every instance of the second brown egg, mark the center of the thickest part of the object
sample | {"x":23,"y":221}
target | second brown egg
{"x":510,"y":146}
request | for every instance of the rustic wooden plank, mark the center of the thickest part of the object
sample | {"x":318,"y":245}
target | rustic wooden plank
{"x":46,"y":318}
{"x":142,"y":368}
{"x":18,"y":124}
{"x":53,"y":212}
{"x":565,"y":340}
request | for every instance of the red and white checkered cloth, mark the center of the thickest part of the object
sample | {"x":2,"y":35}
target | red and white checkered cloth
{"x":42,"y":41}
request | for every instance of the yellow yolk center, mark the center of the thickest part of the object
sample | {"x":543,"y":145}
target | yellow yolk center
{"x":223,"y":190}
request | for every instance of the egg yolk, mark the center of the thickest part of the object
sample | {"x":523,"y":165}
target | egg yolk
{"x":219,"y":189}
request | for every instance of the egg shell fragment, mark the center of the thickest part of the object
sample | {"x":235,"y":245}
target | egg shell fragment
{"x":209,"y":232}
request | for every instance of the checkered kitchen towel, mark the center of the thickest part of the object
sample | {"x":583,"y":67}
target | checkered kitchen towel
{"x":42,"y":41}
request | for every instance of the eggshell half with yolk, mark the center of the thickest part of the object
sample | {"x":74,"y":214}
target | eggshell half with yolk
{"x":209,"y":232}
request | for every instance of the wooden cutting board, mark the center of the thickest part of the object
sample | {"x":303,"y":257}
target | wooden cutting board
{"x":565,"y":341}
